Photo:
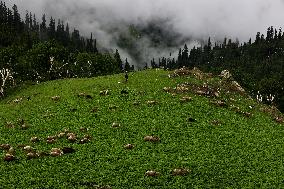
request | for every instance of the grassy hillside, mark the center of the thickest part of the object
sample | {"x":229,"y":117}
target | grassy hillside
{"x":218,"y":136}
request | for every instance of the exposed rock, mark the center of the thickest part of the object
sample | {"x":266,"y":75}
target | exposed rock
{"x":225,"y":74}
{"x":237,"y":87}
{"x":220,"y":103}
{"x":68,"y":150}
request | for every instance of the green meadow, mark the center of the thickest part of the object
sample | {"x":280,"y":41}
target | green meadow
{"x":216,"y":136}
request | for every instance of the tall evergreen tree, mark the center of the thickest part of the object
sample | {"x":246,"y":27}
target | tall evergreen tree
{"x":127,"y":65}
{"x":118,"y":61}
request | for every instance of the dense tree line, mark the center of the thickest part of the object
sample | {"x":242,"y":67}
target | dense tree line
{"x":45,"y":50}
{"x":257,"y":65}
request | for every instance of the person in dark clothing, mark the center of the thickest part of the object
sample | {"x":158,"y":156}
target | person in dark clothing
{"x":126,"y":76}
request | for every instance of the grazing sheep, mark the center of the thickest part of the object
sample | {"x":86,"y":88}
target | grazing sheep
{"x":71,"y":137}
{"x":24,"y":126}
{"x":5,"y":146}
{"x":113,"y":107}
{"x":220,"y":103}
{"x":56,"y":152}
{"x":136,"y":103}
{"x":83,"y":129}
{"x":152,"y":173}
{"x":279,"y":119}
{"x":70,"y":134}
{"x":167,"y":89}
{"x":9,"y":125}
{"x":115,"y":125}
{"x":84,"y":140}
{"x":151,"y":138}
{"x":51,"y":137}
{"x":9,"y":157}
{"x":42,"y":154}
{"x":216,"y":122}
{"x":50,"y":141}
{"x":32,"y":155}
{"x":18,"y":100}
{"x":34,"y":139}
{"x":185,"y":99}
{"x":61,"y":135}
{"x":104,"y":92}
{"x":28,"y":149}
{"x":129,"y":146}
{"x":81,"y":94}
{"x":55,"y":98}
{"x":180,"y":172}
{"x":11,"y":151}
{"x":152,"y":102}
{"x":87,"y":137}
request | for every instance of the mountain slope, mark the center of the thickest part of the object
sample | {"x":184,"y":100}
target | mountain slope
{"x":206,"y":126}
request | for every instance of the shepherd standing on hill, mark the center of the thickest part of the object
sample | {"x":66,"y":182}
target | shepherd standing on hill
{"x":126,"y":76}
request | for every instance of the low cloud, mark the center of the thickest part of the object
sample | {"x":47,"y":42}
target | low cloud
{"x":184,"y":20}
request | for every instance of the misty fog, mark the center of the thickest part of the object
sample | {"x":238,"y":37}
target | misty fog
{"x":186,"y":21}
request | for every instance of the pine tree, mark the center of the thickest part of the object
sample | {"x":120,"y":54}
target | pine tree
{"x":118,"y":61}
{"x":43,"y":29}
{"x":51,"y":29}
{"x":127,"y":65}
{"x":16,"y":18}
{"x":179,"y":60}
{"x":184,"y":56}
{"x":27,"y":21}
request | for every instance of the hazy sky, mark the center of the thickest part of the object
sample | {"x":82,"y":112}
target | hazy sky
{"x":190,"y":18}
